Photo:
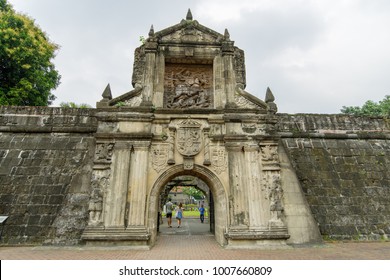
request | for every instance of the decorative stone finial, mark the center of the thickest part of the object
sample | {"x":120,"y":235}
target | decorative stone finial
{"x":226,"y":35}
{"x":269,"y":97}
{"x":189,"y":15}
{"x":107,"y":93}
{"x":151,"y":31}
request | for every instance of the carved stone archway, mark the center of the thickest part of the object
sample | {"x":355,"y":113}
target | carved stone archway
{"x":213,"y":182}
{"x":189,"y":114}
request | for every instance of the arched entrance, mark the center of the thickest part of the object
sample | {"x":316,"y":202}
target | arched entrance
{"x":219,"y":199}
{"x":189,"y":114}
{"x":193,"y":193}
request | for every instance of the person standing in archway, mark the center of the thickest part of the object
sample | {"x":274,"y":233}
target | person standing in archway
{"x":201,"y":212}
{"x":179,"y":214}
{"x":169,"y":208}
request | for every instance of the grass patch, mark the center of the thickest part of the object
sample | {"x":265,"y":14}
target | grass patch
{"x":189,"y":214}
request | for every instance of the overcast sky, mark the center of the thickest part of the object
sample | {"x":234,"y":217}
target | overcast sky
{"x":316,"y":56}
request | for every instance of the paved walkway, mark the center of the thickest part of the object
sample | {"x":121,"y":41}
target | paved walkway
{"x":193,"y":241}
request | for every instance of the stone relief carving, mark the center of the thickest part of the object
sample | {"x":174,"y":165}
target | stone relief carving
{"x":239,"y":66}
{"x":189,"y":140}
{"x":218,"y":159}
{"x":99,"y":184}
{"x":188,"y":163}
{"x":275,"y":196}
{"x":272,"y":187}
{"x":134,"y":101}
{"x":189,"y":34}
{"x":104,"y":152}
{"x":242,"y":102}
{"x":159,"y":157}
{"x":188,"y":86}
{"x":95,"y":206}
{"x":249,"y":128}
{"x":269,"y":154}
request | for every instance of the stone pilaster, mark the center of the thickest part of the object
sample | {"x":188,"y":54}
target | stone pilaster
{"x":115,"y":199}
{"x":229,"y":73}
{"x":206,"y":132}
{"x":138,"y":185}
{"x":237,"y":193}
{"x":158,"y":97}
{"x":219,"y":83}
{"x":253,"y":182}
{"x":171,"y":150}
{"x":149,"y":75}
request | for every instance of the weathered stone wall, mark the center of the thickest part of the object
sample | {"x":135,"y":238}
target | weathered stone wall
{"x":46,"y":157}
{"x":343,"y":165}
{"x":47,"y":154}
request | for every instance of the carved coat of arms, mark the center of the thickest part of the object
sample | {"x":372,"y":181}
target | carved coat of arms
{"x":159,"y":157}
{"x":219,"y":159}
{"x":189,"y":140}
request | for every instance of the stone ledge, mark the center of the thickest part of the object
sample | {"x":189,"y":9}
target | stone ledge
{"x":257,"y":234}
{"x":114,"y":236}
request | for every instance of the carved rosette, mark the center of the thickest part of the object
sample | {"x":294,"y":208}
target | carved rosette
{"x":159,"y":157}
{"x":189,"y":140}
{"x":218,"y":159}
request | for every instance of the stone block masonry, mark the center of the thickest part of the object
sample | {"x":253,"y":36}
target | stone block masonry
{"x":46,"y":157}
{"x":343,"y":165}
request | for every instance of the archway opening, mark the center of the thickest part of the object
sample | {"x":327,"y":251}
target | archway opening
{"x":217,"y":200}
{"x":197,"y":201}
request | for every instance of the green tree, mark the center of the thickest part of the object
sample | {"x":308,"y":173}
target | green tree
{"x":27,"y":74}
{"x":370,"y":108}
{"x":74,"y":105}
{"x":194,"y":192}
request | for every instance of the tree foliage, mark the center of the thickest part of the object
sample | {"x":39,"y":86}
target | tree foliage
{"x":74,"y":105}
{"x":370,"y":108}
{"x":27,"y":74}
{"x":193,"y":192}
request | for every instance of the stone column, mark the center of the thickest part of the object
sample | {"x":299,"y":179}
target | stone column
{"x":253,"y":182}
{"x":238,"y":199}
{"x":149,"y":75}
{"x":219,"y":83}
{"x":206,"y":133}
{"x":229,"y":73}
{"x":138,"y":186}
{"x":115,"y":202}
{"x":171,"y":150}
{"x":158,"y":97}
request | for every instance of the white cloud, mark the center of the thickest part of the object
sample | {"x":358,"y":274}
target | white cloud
{"x":315,"y":55}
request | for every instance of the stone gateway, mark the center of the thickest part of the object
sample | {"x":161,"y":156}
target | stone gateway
{"x":100,"y":176}
{"x":190,"y":115}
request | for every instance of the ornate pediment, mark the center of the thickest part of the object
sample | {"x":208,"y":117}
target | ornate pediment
{"x":189,"y":31}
